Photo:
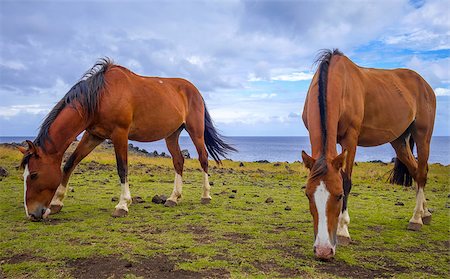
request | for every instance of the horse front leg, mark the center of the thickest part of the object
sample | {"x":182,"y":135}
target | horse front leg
{"x":348,"y":144}
{"x":120,"y":141}
{"x":85,"y":146}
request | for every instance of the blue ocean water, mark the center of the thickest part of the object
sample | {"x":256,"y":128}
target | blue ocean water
{"x":280,"y":149}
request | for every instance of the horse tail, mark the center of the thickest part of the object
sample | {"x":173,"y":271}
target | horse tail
{"x":214,"y":141}
{"x":400,"y":174}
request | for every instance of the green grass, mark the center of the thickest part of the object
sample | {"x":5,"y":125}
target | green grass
{"x":244,"y":237}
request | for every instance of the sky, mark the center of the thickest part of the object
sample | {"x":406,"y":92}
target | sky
{"x":251,"y":60}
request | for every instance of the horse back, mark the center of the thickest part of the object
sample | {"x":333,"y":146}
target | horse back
{"x":150,"y":108}
{"x":392,"y":100}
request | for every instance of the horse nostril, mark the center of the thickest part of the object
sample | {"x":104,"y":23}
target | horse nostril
{"x":43,"y":211}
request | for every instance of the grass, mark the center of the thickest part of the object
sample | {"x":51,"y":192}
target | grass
{"x":240,"y":237}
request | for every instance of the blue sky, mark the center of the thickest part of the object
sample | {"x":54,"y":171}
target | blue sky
{"x":252,"y":60}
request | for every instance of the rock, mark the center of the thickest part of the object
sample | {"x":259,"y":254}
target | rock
{"x":232,"y":196}
{"x":185,"y":154}
{"x":114,"y":199}
{"x":241,"y":164}
{"x":269,"y":200}
{"x":71,"y":189}
{"x":288,"y":208}
{"x":399,"y":203}
{"x":137,"y":199}
{"x":211,"y":183}
{"x":234,"y":191}
{"x":156,"y":199}
{"x":3,"y":172}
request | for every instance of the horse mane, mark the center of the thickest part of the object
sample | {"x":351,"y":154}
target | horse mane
{"x":323,"y":58}
{"x":86,"y":92}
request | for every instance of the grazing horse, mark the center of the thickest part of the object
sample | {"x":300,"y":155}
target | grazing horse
{"x":356,"y":106}
{"x":111,"y":102}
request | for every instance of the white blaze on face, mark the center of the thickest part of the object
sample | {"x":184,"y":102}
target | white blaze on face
{"x":321,"y":196}
{"x":26,"y":173}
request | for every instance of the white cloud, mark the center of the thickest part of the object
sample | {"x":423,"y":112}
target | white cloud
{"x":442,"y":91}
{"x":296,"y":76}
{"x":8,"y":112}
{"x":13,"y":65}
{"x":435,"y":72}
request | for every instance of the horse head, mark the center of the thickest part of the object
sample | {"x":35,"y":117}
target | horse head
{"x":41,"y":177}
{"x":325,"y":192}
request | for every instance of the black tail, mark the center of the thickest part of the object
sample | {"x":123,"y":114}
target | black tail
{"x":214,"y":142}
{"x":400,"y":174}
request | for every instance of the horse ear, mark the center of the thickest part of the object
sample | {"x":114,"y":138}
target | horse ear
{"x":31,"y":147}
{"x":339,"y":161}
{"x":308,"y":160}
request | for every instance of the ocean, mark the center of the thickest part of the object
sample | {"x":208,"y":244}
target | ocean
{"x":281,"y":149}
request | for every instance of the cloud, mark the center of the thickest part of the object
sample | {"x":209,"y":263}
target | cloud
{"x":295,"y":76}
{"x":425,"y":28}
{"x":442,"y":91}
{"x":436,"y":72}
{"x":225,"y":48}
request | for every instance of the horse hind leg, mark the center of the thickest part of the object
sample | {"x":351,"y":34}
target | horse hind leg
{"x":178,"y":163}
{"x":423,"y":139}
{"x":87,"y":143}
{"x":404,"y":153}
{"x":196,"y":132}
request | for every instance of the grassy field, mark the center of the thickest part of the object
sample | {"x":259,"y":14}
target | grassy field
{"x":238,"y":235}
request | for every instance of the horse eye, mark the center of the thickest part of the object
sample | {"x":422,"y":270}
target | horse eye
{"x":33,"y":176}
{"x":340,"y":197}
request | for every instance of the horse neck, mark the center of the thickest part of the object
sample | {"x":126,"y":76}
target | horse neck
{"x":334,"y":95}
{"x":63,"y":131}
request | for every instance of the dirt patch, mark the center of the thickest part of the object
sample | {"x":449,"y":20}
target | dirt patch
{"x":271,"y":266}
{"x":237,"y":237}
{"x":342,"y":269}
{"x":386,"y":268}
{"x":375,"y":228}
{"x":154,"y":267}
{"x":201,"y":233}
{"x":22,"y":258}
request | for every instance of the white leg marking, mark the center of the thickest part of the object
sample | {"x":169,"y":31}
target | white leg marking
{"x":426,"y":212}
{"x":321,"y":196}
{"x":418,"y":210}
{"x":177,"y":188}
{"x":206,"y":187}
{"x":344,"y":220}
{"x":26,"y":173}
{"x":125,"y":197}
{"x":59,"y":196}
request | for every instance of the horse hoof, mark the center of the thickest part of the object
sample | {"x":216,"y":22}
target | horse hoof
{"x":206,"y":200}
{"x":170,"y":203}
{"x":426,"y":220}
{"x":343,"y":240}
{"x":119,"y":213}
{"x":414,"y":226}
{"x":55,"y":208}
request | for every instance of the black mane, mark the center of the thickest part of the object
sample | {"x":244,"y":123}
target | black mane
{"x":323,"y":59}
{"x":86,"y":92}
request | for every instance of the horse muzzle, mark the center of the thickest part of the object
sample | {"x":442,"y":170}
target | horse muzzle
{"x":39,"y":214}
{"x":324,"y":252}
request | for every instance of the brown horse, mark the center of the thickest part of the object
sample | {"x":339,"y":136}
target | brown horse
{"x":111,"y":102}
{"x":352,"y":106}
